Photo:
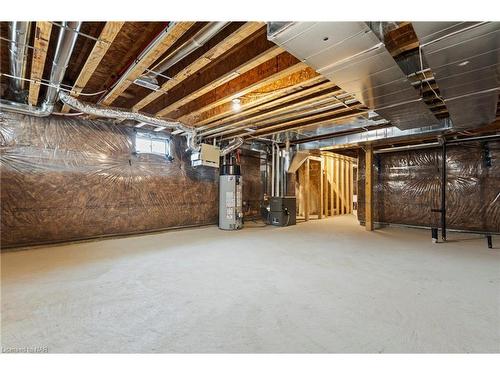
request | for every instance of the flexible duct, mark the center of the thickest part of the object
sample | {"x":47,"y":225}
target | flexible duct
{"x":17,"y":53}
{"x":233,"y":145}
{"x":64,"y":48}
{"x":125,"y":114}
{"x":198,"y":40}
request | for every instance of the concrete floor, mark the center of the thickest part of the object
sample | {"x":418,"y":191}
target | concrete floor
{"x":321,"y":286}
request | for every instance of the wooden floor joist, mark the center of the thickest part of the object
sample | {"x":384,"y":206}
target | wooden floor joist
{"x":210,"y":55}
{"x":106,"y":38}
{"x":41,"y":47}
{"x":281,"y":112}
{"x":275,"y":93}
{"x":269,"y":67}
{"x":254,"y":51}
{"x":162,"y":44}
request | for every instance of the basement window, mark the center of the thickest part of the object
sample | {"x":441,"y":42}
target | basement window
{"x":146,"y":143}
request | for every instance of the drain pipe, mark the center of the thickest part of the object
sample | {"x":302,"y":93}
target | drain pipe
{"x":17,"y":53}
{"x":64,"y":48}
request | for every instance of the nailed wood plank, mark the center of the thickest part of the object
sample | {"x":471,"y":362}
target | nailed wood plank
{"x":325,"y":186}
{"x":368,"y":188}
{"x":271,"y":70}
{"x":284,"y":111}
{"x":106,"y":38}
{"x":332,"y":193}
{"x":307,"y":188}
{"x":275,"y":93}
{"x":337,"y":185}
{"x":41,"y":44}
{"x":167,"y":39}
{"x":213,"y":53}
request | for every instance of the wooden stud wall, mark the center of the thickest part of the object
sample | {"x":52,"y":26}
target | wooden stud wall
{"x":335,"y":186}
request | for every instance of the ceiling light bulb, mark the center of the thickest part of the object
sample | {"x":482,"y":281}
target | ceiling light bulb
{"x":236,"y":104}
{"x":463,"y":63}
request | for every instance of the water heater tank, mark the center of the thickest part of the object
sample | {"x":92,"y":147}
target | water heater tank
{"x":230,"y":199}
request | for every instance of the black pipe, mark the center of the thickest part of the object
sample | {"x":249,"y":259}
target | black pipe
{"x":443,"y":191}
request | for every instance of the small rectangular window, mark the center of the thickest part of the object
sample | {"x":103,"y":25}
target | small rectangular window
{"x":146,"y":143}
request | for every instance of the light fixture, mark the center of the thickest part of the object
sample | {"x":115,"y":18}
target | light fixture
{"x":236,"y":104}
{"x":463,"y":63}
{"x":148,"y":82}
{"x":159,"y":128}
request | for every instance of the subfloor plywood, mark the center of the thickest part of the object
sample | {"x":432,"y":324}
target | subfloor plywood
{"x":321,"y":286}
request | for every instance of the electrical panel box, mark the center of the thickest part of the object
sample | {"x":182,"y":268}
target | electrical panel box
{"x":208,"y":156}
{"x":283,"y":211}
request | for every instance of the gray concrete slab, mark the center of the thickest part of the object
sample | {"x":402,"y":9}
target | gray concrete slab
{"x":322,"y":286}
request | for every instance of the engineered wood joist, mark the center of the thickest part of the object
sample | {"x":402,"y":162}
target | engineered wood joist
{"x":210,"y":54}
{"x":162,"y":44}
{"x":106,"y":38}
{"x":41,"y":46}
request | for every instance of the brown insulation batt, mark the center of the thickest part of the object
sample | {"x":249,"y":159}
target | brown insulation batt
{"x":407,"y":186}
{"x":66,"y":179}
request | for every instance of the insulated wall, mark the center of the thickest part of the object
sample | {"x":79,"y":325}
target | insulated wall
{"x":407,"y":185}
{"x":66,"y":179}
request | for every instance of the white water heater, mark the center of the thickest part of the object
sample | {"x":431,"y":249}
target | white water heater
{"x":230,"y":198}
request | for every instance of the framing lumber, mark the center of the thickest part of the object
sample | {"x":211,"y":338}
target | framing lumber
{"x":280,"y":112}
{"x":165,"y":41}
{"x":216,"y":51}
{"x":337,"y":185}
{"x":325,"y":186}
{"x":275,"y":93}
{"x":368,"y":188}
{"x":332,"y":192}
{"x":106,"y":38}
{"x":306,"y":189}
{"x":253,"y":51}
{"x":320,"y":195}
{"x":41,"y":46}
{"x":272,"y":66}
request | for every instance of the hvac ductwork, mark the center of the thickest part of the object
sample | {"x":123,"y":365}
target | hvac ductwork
{"x":198,"y":40}
{"x":233,"y":145}
{"x":64,"y":48}
{"x":125,"y":114}
{"x":17,"y":54}
{"x":353,"y":57}
{"x":464,"y":58}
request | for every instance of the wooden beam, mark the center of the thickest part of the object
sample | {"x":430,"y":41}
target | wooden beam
{"x":307,"y":189}
{"x":368,"y":188}
{"x":165,"y":41}
{"x":320,"y":195}
{"x":252,"y":52}
{"x":41,"y":46}
{"x":206,"y":58}
{"x":272,"y":66}
{"x":325,"y":186}
{"x":332,"y":194}
{"x":319,"y":119}
{"x":337,"y":185}
{"x":281,"y":112}
{"x":268,"y":96}
{"x":106,"y":38}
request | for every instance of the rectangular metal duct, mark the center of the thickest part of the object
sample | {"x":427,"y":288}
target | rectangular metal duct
{"x":464,"y":57}
{"x":351,"y":55}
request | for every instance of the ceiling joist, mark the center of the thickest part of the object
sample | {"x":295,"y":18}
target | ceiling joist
{"x":41,"y":46}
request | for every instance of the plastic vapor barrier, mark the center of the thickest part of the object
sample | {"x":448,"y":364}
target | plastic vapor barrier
{"x":407,"y":185}
{"x":66,"y":179}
